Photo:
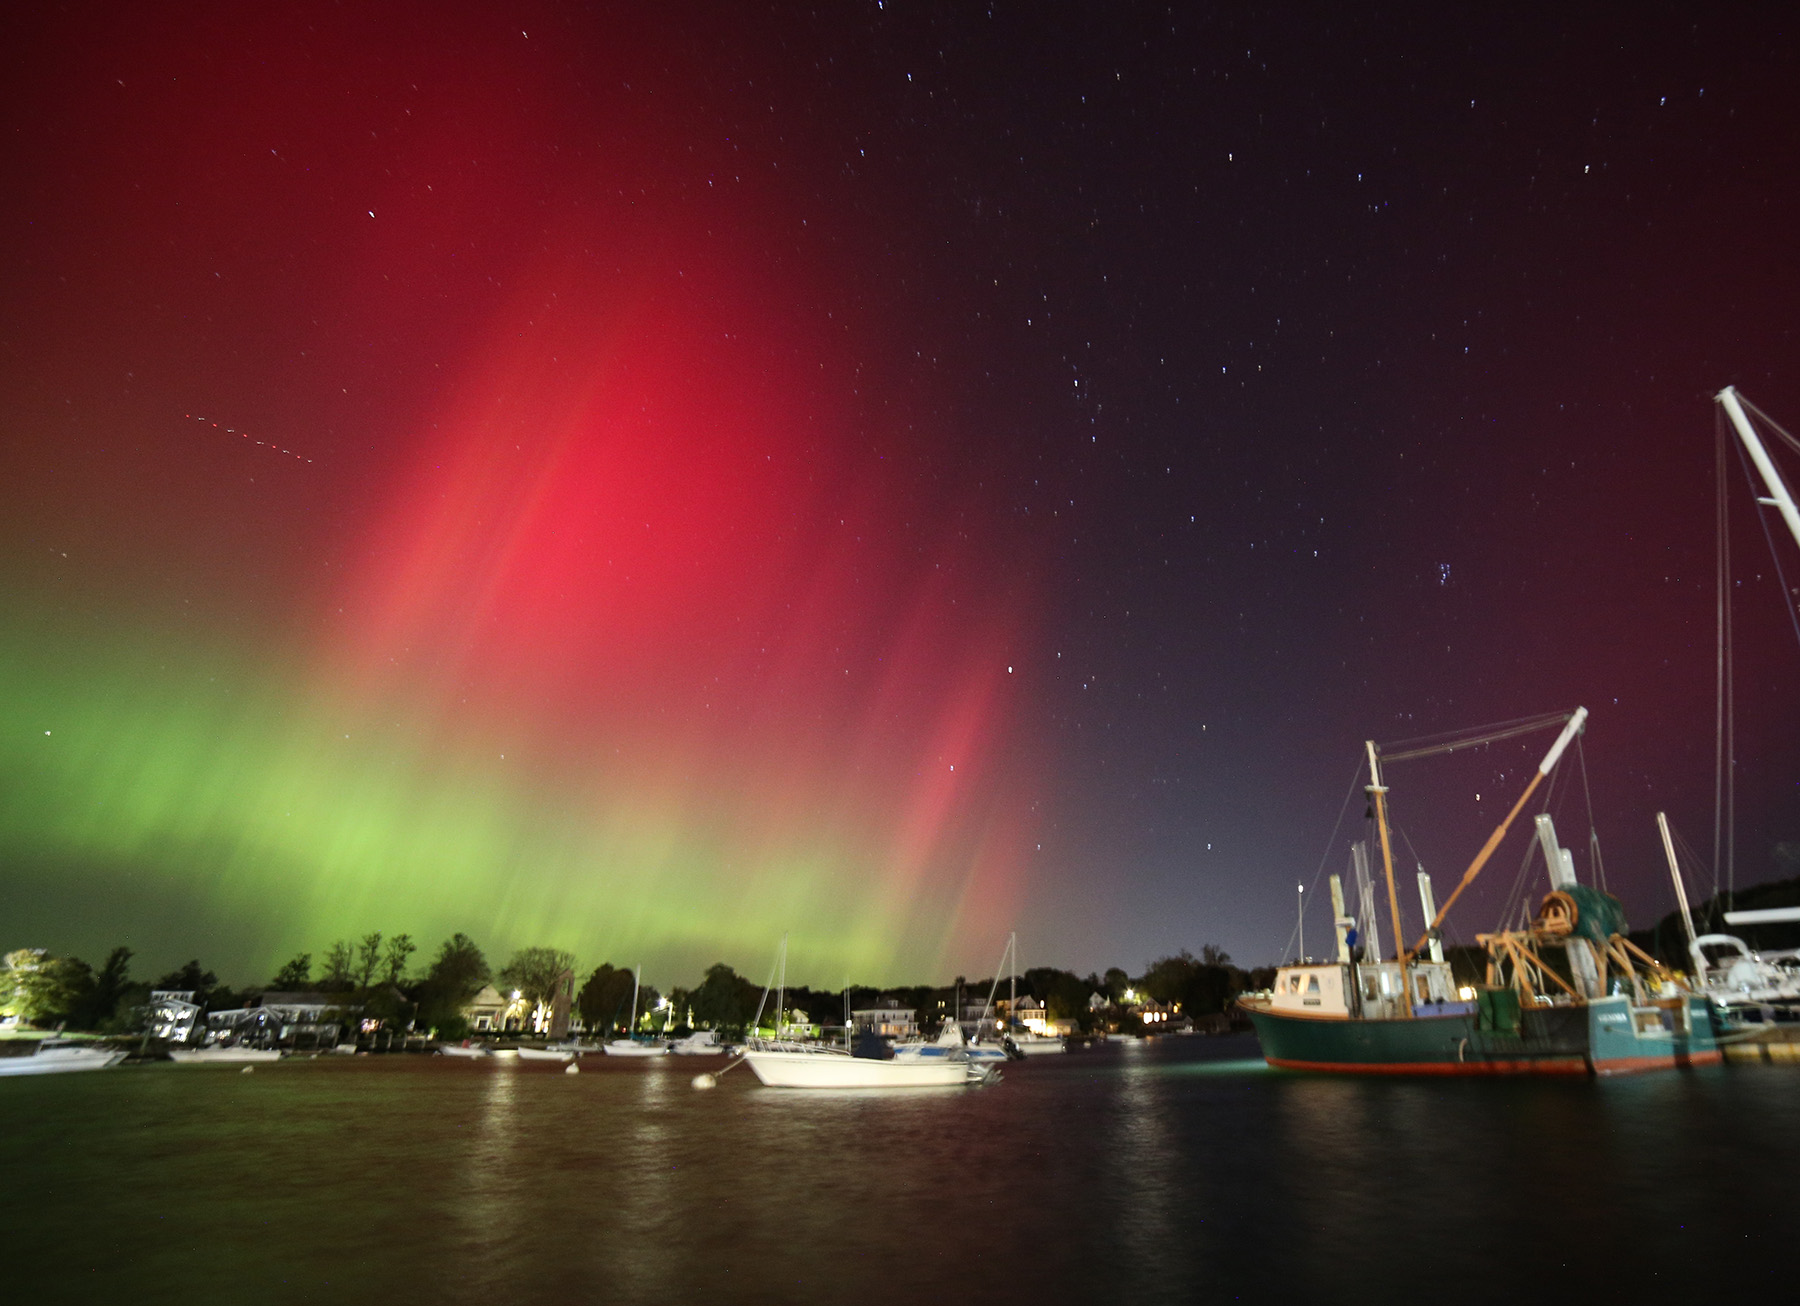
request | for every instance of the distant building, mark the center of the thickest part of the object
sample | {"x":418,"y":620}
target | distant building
{"x":1030,"y":1014}
{"x":171,"y":1014}
{"x":1159,"y":1019}
{"x":492,"y":1012}
{"x":275,"y":1019}
{"x":887,"y":1018}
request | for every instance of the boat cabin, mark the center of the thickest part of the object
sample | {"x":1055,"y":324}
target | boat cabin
{"x":1331,"y":991}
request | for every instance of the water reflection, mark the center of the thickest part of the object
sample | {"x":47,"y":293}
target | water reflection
{"x":1173,"y":1172}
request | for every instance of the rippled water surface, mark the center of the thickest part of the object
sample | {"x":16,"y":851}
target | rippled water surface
{"x":1180,"y":1171}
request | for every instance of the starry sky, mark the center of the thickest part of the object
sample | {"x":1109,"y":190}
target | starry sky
{"x":640,"y":479}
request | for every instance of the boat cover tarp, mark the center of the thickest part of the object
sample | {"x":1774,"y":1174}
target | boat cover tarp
{"x":1599,"y":915}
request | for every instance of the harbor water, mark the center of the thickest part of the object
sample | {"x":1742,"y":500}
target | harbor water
{"x":1178,"y":1170}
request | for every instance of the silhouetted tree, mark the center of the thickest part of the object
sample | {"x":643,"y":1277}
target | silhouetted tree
{"x":294,"y":977}
{"x":340,"y":968}
{"x":368,"y":959}
{"x":455,"y":977}
{"x":724,"y":1001}
{"x":96,"y":1004}
{"x":203,"y":984}
{"x":399,"y":949}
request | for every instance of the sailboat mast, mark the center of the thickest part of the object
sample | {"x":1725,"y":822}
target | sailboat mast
{"x":1378,"y":792}
{"x":1687,"y":917}
{"x":636,"y":977}
{"x":781,"y":993}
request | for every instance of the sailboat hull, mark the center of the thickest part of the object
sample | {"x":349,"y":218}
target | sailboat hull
{"x":782,"y":1069}
{"x":1608,"y":1036}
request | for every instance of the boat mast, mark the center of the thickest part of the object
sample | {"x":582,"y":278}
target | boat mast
{"x":1778,"y":492}
{"x":636,"y":975}
{"x":1378,"y":792}
{"x":1687,"y":916}
{"x":781,"y":993}
{"x":1551,"y":758}
{"x":1012,"y":982}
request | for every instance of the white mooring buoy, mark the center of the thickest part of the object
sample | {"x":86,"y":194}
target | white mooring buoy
{"x":706,"y":1081}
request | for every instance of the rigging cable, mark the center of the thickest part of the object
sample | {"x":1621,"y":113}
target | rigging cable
{"x":1293,"y":936}
{"x":1596,"y":866}
{"x":1453,"y":741}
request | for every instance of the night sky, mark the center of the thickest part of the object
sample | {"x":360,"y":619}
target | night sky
{"x":641,"y":480}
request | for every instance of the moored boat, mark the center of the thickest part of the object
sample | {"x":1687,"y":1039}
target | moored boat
{"x":949,"y":1045}
{"x":59,"y":1057}
{"x":546,"y":1054}
{"x":701,"y":1043}
{"x":223,"y":1054}
{"x":635,"y":1047}
{"x":1607,"y":1008}
{"x":815,"y":1065}
{"x":625,"y":1047}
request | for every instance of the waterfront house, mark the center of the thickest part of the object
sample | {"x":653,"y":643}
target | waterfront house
{"x":888,"y":1018}
{"x":278,"y":1019}
{"x":171,"y":1014}
{"x":493,"y":1012}
{"x":1031,"y":1014}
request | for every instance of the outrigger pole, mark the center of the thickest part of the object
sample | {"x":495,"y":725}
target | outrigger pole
{"x":1487,"y":850}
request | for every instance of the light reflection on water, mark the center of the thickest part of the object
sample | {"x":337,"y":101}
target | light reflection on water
{"x":1183,"y":1170}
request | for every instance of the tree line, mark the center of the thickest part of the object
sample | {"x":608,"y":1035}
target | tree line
{"x":373,"y":976}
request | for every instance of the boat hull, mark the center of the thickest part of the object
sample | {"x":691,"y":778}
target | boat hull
{"x":827,"y":1070}
{"x":1604,"y":1037}
{"x":217,"y":1056}
{"x":60,"y":1061}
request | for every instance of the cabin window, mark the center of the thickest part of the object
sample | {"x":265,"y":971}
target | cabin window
{"x":1424,"y":989}
{"x":1312,"y":984}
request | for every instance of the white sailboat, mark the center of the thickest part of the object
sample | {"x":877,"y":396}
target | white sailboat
{"x":631,"y":1047}
{"x":786,"y":1064}
{"x":1748,"y":989}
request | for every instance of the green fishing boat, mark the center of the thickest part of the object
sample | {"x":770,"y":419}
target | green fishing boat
{"x":1568,"y":994}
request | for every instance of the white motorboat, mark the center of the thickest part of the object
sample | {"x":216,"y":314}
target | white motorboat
{"x":813,"y":1065}
{"x":56,"y":1057}
{"x":463,"y":1050}
{"x":223,"y":1054}
{"x":1037,"y":1045}
{"x":546,"y":1054}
